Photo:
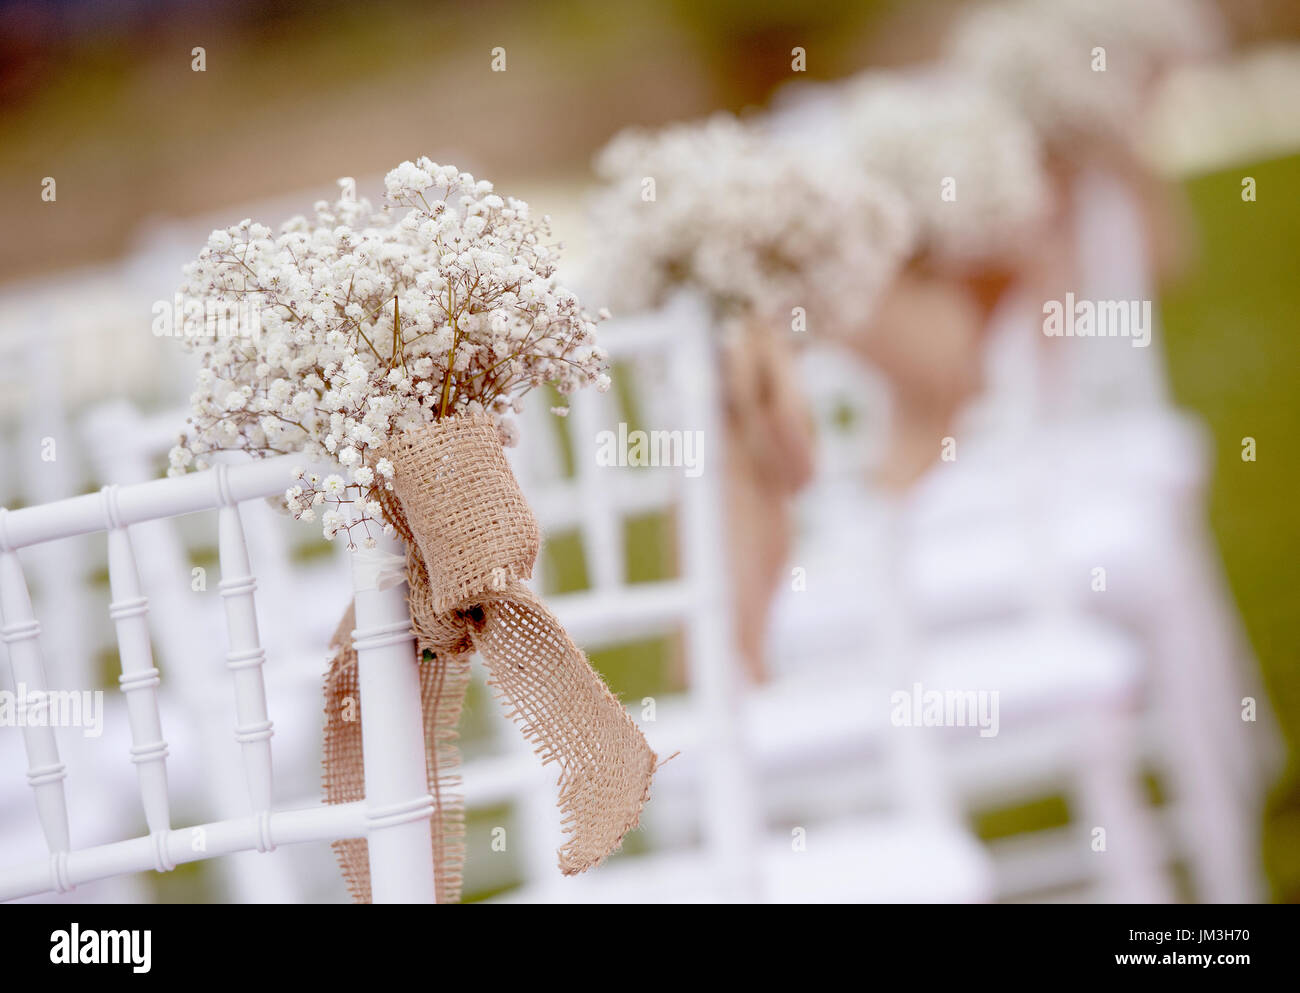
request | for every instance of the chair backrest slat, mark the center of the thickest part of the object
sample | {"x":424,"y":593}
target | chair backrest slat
{"x":21,"y":634}
{"x":600,"y":522}
{"x":140,"y":678}
{"x":245,"y":658}
{"x":728,"y":794}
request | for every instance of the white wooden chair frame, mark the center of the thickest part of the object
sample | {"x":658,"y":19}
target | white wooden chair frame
{"x":395,"y":815}
{"x":734,"y":747}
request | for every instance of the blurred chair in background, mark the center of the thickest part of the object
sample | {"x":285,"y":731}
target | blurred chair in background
{"x":1006,"y":533}
{"x":747,"y":755}
{"x":1139,"y":471}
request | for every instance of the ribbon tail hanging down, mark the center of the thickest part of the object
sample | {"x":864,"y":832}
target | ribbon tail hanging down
{"x":566,"y":711}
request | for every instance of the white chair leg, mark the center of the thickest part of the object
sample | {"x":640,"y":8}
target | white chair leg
{"x":1216,"y":822}
{"x":1113,"y":809}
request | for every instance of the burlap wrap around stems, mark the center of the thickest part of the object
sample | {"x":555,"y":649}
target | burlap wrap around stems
{"x":471,"y":541}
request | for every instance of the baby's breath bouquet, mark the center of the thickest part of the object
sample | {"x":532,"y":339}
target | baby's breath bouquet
{"x":967,"y":165}
{"x":779,"y":235}
{"x":373,"y":323}
{"x":1045,"y":58}
{"x":757,"y":223}
{"x":398,"y":343}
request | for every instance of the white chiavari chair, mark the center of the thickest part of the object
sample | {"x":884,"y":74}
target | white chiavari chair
{"x":971,"y":562}
{"x":723,"y":811}
{"x":394,"y":816}
{"x":1172,"y":452}
{"x":873,"y":559}
{"x":1127,"y":478}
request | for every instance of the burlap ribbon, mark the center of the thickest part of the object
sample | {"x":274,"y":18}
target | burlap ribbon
{"x":768,"y":459}
{"x":471,"y":541}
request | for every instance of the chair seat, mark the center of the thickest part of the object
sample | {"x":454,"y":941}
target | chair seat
{"x":1038,"y":667}
{"x":868,"y":860}
{"x":841,"y":709}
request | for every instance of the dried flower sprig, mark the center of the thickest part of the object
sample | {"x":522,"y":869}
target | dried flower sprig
{"x":374,"y":323}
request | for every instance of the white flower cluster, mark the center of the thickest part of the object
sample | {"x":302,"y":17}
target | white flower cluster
{"x":1039,"y":55}
{"x":969,"y":167}
{"x":372,"y":324}
{"x":759,"y":225}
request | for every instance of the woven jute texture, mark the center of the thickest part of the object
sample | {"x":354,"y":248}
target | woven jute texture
{"x":471,"y":543}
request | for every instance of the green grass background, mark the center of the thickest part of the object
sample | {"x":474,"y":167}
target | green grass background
{"x":1234,"y":358}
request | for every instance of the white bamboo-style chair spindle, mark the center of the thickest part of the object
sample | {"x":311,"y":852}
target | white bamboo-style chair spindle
{"x":246,"y":655}
{"x":600,"y":525}
{"x":395,"y":815}
{"x":45,"y":772}
{"x":140,"y":678}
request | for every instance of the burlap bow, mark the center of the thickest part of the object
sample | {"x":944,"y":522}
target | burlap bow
{"x":471,"y":541}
